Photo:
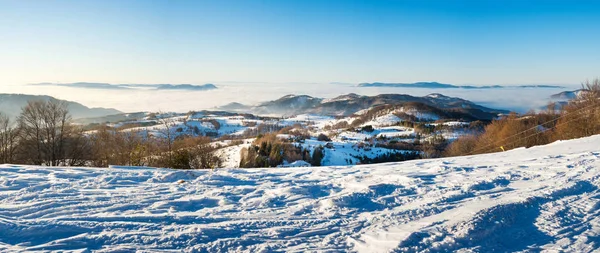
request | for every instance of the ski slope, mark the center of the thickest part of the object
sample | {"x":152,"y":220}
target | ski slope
{"x":539,"y":199}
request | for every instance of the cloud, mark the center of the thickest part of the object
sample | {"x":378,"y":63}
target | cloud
{"x":86,"y":85}
{"x":436,"y":85}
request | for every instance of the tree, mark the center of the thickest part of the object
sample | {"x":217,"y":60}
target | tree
{"x":581,"y":117}
{"x":168,"y":133}
{"x":8,"y":140}
{"x":317,"y":156}
{"x":45,"y":129}
{"x":103,"y":147}
{"x":190,"y":153}
{"x":323,"y":137}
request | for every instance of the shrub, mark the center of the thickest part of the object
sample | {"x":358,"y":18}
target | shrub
{"x":368,"y":128}
{"x":323,"y":137}
{"x":317,"y":156}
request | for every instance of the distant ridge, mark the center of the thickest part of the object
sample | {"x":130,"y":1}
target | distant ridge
{"x":349,"y":104}
{"x":11,"y":104}
{"x":568,"y":95}
{"x":436,"y":85}
{"x":85,"y":85}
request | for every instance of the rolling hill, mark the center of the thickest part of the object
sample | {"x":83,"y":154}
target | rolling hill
{"x":11,"y":104}
{"x":349,"y":104}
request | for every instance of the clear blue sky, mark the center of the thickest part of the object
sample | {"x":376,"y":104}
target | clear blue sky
{"x":461,"y":42}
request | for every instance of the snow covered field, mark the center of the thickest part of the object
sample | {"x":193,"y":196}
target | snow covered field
{"x":543,"y":198}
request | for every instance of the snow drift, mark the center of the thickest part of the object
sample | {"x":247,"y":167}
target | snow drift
{"x":542,"y":198}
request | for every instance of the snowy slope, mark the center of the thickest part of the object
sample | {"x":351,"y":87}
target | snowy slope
{"x":543,"y":198}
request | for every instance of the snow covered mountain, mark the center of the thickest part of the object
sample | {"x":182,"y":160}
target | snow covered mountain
{"x":288,"y":105}
{"x":349,"y":104}
{"x":538,"y":199}
{"x":567,"y":95}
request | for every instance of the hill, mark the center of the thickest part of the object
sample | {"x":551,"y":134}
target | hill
{"x":436,"y":85}
{"x":11,"y":104}
{"x":568,"y":95}
{"x":87,"y":85}
{"x":542,"y":198}
{"x":346,"y":105}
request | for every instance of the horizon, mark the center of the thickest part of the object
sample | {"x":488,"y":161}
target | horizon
{"x":461,"y":42}
{"x":139,"y":99}
{"x":567,"y":85}
{"x":300,"y":125}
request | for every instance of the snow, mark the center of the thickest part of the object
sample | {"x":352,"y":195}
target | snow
{"x":420,"y":115}
{"x":395,"y":131}
{"x":390,"y":132}
{"x":451,"y":123}
{"x":539,"y":199}
{"x":299,"y":163}
{"x":232,"y":154}
{"x":385,"y":120}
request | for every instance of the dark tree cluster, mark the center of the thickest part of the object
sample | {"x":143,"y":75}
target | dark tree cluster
{"x":270,"y":151}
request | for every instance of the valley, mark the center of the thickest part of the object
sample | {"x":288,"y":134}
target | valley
{"x":348,"y":130}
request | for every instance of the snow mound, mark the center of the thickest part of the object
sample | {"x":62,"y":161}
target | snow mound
{"x":539,"y":199}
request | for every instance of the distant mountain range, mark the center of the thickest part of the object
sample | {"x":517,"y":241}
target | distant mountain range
{"x":436,"y":85}
{"x":190,"y":87}
{"x":349,"y":104}
{"x":11,"y":104}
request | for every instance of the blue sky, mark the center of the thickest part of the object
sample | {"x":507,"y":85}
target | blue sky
{"x":461,"y":42}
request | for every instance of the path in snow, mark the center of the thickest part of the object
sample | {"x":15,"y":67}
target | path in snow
{"x":543,"y":198}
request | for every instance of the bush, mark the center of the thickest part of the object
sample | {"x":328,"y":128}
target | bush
{"x":368,"y":128}
{"x":323,"y":137}
{"x":317,"y":156}
{"x":581,"y":117}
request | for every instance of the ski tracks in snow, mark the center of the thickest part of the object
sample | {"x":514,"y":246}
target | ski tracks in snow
{"x":543,"y":198}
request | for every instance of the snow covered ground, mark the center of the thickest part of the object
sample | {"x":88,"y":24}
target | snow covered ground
{"x":543,"y":198}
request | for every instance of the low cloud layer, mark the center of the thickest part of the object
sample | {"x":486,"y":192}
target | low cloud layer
{"x":152,"y":99}
{"x":436,"y":85}
{"x":107,"y":86}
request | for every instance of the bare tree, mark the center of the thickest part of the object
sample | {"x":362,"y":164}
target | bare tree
{"x":8,"y":139}
{"x":168,"y":133}
{"x":45,"y":128}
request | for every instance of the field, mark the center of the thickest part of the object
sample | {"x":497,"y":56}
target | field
{"x":542,"y":198}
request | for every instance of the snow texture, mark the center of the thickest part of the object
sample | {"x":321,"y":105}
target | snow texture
{"x":539,"y":199}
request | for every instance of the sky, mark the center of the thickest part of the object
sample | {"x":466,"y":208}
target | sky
{"x":461,"y":42}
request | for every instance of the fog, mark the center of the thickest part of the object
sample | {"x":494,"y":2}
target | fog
{"x":134,"y":100}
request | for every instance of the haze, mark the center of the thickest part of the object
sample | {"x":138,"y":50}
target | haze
{"x":260,"y":50}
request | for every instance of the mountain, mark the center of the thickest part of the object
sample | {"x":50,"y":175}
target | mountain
{"x":568,"y":95}
{"x":85,"y":85}
{"x":11,"y":104}
{"x":436,"y":85}
{"x":349,"y":104}
{"x":234,"y":106}
{"x":432,"y":85}
{"x":208,"y":86}
{"x":287,"y":105}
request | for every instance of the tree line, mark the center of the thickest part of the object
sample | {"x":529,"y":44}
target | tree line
{"x":44,"y":134}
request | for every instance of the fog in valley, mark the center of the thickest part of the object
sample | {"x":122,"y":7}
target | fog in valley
{"x":134,"y":100}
